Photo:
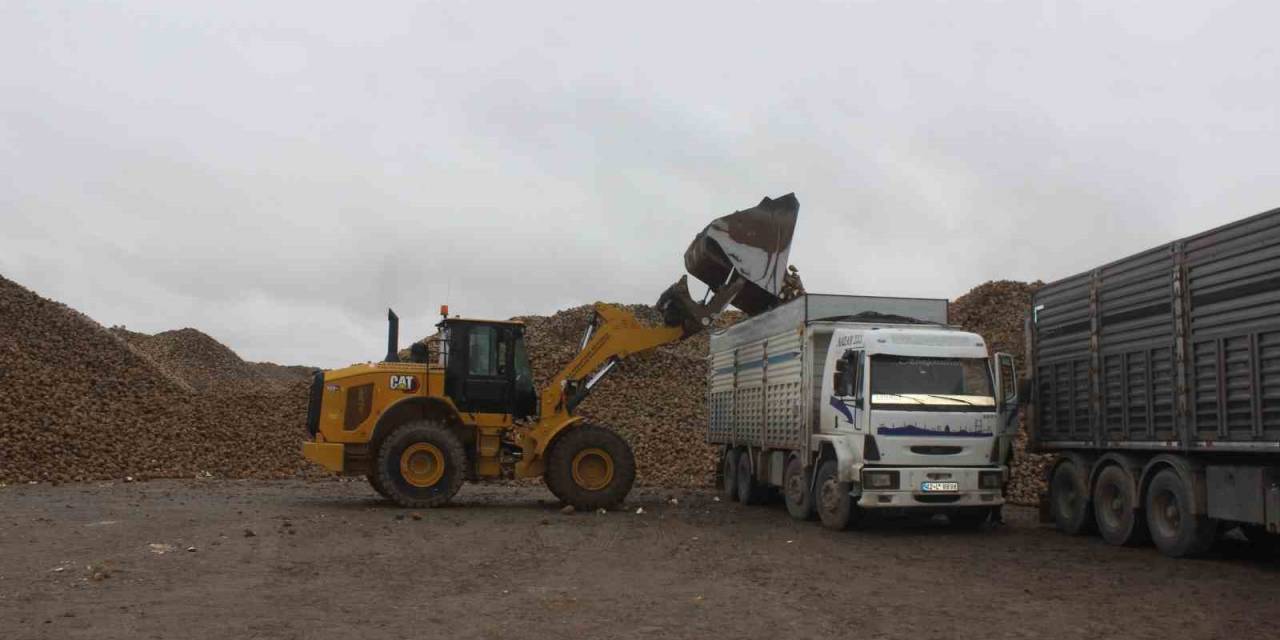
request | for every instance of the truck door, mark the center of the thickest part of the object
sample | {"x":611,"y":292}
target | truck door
{"x":1007,"y":393}
{"x":481,"y":361}
{"x":847,"y":388}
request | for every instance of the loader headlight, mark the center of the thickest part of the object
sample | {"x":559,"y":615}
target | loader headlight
{"x":990,"y":479}
{"x":882,"y":480}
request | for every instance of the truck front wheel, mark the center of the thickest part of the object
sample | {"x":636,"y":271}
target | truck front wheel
{"x":835,"y":505}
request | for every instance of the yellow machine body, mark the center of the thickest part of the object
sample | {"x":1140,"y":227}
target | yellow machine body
{"x":360,"y":404}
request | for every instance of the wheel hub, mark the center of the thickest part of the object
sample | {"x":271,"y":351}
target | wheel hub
{"x":592,"y":469}
{"x":422,"y":464}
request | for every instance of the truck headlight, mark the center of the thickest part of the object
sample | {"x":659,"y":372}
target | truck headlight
{"x":880,"y":479}
{"x":990,"y":479}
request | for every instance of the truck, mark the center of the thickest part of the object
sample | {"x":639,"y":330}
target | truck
{"x":1155,"y":385}
{"x":858,"y":405}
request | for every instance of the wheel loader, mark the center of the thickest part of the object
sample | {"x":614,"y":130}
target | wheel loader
{"x":463,"y":406}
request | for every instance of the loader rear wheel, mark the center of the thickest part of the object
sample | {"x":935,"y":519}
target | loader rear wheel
{"x":590,"y":467}
{"x":729,"y":474}
{"x":421,"y":464}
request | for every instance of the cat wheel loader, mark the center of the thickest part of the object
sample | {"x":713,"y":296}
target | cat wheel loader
{"x":463,"y":406}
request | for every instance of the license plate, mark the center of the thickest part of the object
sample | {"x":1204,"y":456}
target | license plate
{"x":939,"y":487}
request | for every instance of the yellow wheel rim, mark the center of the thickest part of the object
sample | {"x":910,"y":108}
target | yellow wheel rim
{"x":592,"y":469}
{"x":422,"y":464}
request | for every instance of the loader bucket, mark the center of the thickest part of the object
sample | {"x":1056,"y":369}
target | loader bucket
{"x":751,"y":245}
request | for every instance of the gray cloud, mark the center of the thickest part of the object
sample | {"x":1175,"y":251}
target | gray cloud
{"x":278,"y":175}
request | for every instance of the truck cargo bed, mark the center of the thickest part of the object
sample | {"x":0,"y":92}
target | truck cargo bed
{"x":1177,"y":348}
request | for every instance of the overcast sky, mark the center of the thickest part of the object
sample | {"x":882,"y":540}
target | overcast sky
{"x":277,"y":174}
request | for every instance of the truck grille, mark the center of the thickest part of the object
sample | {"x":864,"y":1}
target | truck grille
{"x":313,"y":403}
{"x":934,"y":450}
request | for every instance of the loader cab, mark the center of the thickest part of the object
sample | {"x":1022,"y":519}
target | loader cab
{"x":487,"y":367}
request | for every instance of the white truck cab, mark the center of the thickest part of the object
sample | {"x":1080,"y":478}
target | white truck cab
{"x":851,"y":404}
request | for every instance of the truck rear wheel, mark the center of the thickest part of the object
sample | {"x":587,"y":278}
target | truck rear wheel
{"x":1069,"y":499}
{"x":590,"y":467}
{"x":835,"y":505}
{"x":1115,"y":508}
{"x":729,"y":474}
{"x":795,"y":491}
{"x":749,"y":491}
{"x":1177,"y":531}
{"x":421,"y":464}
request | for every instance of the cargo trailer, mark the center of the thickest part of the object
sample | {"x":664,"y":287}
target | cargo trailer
{"x":1156,"y":383}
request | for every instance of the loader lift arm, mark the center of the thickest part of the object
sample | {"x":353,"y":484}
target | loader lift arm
{"x":613,"y":335}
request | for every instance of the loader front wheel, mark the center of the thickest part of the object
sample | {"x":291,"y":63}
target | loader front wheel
{"x":421,"y":465}
{"x":590,"y":467}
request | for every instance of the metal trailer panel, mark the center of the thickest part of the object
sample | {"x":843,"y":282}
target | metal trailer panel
{"x":1112,"y":348}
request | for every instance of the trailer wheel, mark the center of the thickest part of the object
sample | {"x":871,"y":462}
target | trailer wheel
{"x":1069,"y":499}
{"x":421,"y":464}
{"x":1115,"y":508}
{"x":795,"y":491}
{"x":729,"y":474}
{"x":749,"y":491}
{"x":835,"y":505}
{"x":1177,"y":532}
{"x":590,"y":467}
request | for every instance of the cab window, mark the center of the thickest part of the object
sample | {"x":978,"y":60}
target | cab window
{"x":482,"y":354}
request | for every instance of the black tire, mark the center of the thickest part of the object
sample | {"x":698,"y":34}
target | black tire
{"x":795,"y":491}
{"x":1260,"y":540}
{"x":590,"y":467}
{"x":969,"y":518}
{"x":1069,"y":499}
{"x":1116,"y":508}
{"x":729,"y":474}
{"x":834,"y":504}
{"x":372,"y":477}
{"x":422,"y":464}
{"x":749,"y":491}
{"x":1176,"y":532}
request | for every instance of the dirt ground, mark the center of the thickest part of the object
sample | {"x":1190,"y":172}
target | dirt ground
{"x":325,"y":559}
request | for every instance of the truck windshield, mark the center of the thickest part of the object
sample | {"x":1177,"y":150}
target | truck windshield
{"x":909,"y":382}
